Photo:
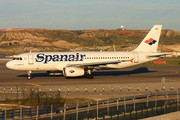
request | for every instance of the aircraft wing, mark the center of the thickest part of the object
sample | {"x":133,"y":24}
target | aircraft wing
{"x":158,"y":54}
{"x":98,"y":63}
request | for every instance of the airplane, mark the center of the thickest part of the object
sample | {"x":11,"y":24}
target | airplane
{"x":75,"y":64}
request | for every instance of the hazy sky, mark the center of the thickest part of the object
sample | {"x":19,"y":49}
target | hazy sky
{"x":89,"y":14}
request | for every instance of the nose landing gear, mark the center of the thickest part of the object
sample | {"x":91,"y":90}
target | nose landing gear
{"x":29,"y":75}
{"x":90,"y":76}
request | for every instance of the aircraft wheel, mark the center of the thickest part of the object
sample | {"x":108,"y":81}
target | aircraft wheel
{"x":90,"y":76}
{"x":29,"y":77}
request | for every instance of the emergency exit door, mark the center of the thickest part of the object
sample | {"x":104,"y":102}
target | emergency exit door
{"x":136,"y":58}
{"x":30,"y":59}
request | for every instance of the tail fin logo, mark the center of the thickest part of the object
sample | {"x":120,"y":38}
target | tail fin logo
{"x":131,"y":60}
{"x":71,"y":71}
{"x":150,"y":41}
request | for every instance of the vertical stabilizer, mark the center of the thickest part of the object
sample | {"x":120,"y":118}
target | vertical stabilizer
{"x":150,"y":42}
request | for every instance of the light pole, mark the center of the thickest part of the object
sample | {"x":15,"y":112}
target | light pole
{"x":38,"y":99}
{"x":59,"y":94}
{"x":52,"y":98}
{"x":17,"y":93}
{"x":51,"y":106}
{"x":46,"y":99}
{"x":32,"y":92}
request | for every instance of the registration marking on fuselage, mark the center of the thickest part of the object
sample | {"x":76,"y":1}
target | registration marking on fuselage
{"x":33,"y":84}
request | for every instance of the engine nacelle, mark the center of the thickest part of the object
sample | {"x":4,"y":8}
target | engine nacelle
{"x":73,"y":71}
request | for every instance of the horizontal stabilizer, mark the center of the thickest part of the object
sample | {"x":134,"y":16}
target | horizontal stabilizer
{"x":158,"y":54}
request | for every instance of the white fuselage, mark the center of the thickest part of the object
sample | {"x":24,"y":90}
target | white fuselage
{"x":49,"y":61}
{"x":73,"y":64}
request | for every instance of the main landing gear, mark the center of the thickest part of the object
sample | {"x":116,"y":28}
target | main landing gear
{"x":29,"y":75}
{"x":89,"y":75}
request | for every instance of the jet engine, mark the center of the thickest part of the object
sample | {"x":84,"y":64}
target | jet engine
{"x":73,"y":71}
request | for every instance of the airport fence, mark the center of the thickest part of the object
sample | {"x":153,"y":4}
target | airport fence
{"x":139,"y":106}
{"x":2,"y":56}
{"x":133,"y":107}
{"x":26,"y":112}
{"x":126,"y":108}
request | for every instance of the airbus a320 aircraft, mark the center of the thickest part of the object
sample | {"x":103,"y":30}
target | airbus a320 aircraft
{"x":74,"y":64}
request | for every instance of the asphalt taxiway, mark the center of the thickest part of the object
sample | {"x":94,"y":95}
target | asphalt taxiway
{"x":111,"y":80}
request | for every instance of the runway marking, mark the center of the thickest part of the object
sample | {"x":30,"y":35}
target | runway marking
{"x":19,"y":83}
{"x":174,"y":72}
{"x":33,"y":84}
{"x":8,"y":83}
{"x":172,"y":80}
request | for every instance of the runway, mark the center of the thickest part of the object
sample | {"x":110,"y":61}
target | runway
{"x":137,"y":74}
{"x":141,"y":76}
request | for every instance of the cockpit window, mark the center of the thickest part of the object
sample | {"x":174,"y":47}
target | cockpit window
{"x":17,"y":58}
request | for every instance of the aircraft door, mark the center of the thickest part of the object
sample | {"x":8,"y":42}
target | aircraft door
{"x":30,"y":59}
{"x":136,"y":58}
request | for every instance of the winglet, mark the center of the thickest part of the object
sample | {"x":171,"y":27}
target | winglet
{"x":131,"y":60}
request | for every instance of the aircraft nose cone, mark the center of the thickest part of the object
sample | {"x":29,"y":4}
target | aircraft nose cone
{"x":9,"y":65}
